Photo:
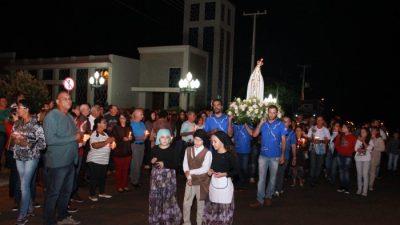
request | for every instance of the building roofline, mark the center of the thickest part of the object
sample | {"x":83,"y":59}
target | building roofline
{"x":171,"y":49}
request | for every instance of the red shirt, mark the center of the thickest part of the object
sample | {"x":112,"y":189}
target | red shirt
{"x":345,"y":145}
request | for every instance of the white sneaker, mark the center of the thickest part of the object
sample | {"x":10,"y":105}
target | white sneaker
{"x":359,"y":192}
{"x":93,"y":198}
{"x":104,"y":196}
{"x":69,"y":220}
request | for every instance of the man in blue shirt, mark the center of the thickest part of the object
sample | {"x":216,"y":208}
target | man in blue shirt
{"x":290,"y":147}
{"x":61,"y":156}
{"x":140,"y":133}
{"x":242,"y":136}
{"x":218,"y":120}
{"x":273,"y":146}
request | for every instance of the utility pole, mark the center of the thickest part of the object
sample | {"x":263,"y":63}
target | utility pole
{"x":253,"y":47}
{"x":303,"y":80}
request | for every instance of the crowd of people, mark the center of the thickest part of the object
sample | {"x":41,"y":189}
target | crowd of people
{"x":62,"y":145}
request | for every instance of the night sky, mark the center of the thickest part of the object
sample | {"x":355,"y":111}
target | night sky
{"x":351,"y":46}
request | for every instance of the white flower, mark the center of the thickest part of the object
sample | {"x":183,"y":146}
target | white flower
{"x":230,"y":113}
{"x":238,"y":100}
{"x":256,"y":111}
{"x":250,"y":109}
{"x":255,"y":106}
{"x":242,"y":107}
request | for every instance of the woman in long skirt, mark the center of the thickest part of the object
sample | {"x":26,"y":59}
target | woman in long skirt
{"x":163,"y":206}
{"x":220,"y":206}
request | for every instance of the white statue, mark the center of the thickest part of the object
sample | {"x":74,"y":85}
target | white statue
{"x":255,"y":88}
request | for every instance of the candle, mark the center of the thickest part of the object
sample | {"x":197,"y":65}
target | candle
{"x":130,"y":134}
{"x":146,"y":132}
{"x":86,"y":137}
{"x":113,"y":145}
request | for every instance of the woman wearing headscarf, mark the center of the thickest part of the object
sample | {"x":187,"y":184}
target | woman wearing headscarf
{"x":163,"y":206}
{"x":220,"y":207}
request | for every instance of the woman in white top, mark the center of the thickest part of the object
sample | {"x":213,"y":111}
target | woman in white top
{"x":379,"y":147}
{"x":363,"y":148}
{"x":98,"y":158}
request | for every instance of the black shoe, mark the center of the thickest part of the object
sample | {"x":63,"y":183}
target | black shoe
{"x":137,"y":186}
{"x":15,"y":209}
{"x":31,"y":214}
{"x":77,"y":199}
{"x":72,"y":209}
{"x":22,"y":221}
{"x":340,"y":190}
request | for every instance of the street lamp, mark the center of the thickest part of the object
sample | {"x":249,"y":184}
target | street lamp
{"x":96,"y":80}
{"x":188,"y":84}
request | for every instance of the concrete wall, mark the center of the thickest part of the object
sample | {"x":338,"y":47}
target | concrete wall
{"x":124,"y":74}
{"x":154,"y":68}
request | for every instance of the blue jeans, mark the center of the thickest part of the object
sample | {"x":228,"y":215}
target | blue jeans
{"x":76,"y":175}
{"x":26,"y":171}
{"x":280,"y":176}
{"x":266,"y":164}
{"x":331,"y":166}
{"x":316,"y":163}
{"x":255,"y":151}
{"x":392,"y":162}
{"x":344,"y":163}
{"x":59,"y":185}
{"x":243,"y":160}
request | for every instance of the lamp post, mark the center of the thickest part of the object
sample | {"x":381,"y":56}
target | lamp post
{"x":188,"y":85}
{"x":96,"y":80}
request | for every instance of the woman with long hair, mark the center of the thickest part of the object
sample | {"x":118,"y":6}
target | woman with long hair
{"x":27,"y":140}
{"x":363,"y":148}
{"x":379,"y":147}
{"x":220,"y":207}
{"x":122,"y":156}
{"x":98,"y":158}
{"x":163,"y":205}
{"x":345,"y":143}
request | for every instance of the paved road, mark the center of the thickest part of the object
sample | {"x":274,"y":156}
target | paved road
{"x":307,"y":206}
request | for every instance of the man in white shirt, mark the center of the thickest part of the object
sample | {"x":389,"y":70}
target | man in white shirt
{"x":94,"y":113}
{"x":188,"y":128}
{"x":319,"y":137}
{"x":196,"y":164}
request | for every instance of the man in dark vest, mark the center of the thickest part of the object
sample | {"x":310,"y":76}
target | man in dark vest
{"x":196,"y":164}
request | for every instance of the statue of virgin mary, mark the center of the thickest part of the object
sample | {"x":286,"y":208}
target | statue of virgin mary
{"x":255,"y":87}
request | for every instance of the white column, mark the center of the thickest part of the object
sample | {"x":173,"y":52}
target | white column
{"x":55,"y":87}
{"x":142,"y":99}
{"x":192,"y":99}
{"x":40,"y":74}
{"x":90,"y":90}
{"x":166,"y":100}
{"x":72,"y":74}
{"x":183,"y":100}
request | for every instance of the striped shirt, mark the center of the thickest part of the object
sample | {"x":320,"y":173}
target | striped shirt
{"x":99,"y":155}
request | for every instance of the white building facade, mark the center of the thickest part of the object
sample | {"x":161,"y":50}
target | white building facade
{"x":120,"y":73}
{"x":161,"y":68}
{"x":210,"y":25}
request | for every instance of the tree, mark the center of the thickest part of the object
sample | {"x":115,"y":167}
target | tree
{"x":26,"y":84}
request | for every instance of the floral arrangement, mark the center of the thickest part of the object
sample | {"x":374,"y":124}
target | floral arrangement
{"x":252,"y":110}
